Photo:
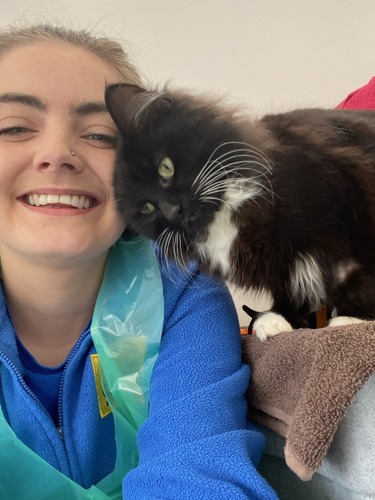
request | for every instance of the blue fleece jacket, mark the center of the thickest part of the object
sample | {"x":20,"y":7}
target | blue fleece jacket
{"x":196,"y":443}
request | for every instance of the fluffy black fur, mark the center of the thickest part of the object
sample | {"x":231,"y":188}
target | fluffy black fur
{"x":295,"y":192}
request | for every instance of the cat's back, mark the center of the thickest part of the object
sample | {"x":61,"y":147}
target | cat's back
{"x":335,"y":143}
{"x":327,"y":128}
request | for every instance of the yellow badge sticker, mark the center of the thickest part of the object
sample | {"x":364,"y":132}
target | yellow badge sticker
{"x":104,"y":408}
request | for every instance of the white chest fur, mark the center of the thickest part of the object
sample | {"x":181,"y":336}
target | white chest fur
{"x":222,"y":232}
{"x":221,"y":235}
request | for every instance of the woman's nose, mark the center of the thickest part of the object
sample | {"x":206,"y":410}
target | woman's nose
{"x":56,"y":155}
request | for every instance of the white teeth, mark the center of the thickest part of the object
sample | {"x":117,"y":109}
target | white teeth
{"x":66,"y":199}
{"x":74,"y":200}
{"x":43,"y":199}
{"x":53,"y":198}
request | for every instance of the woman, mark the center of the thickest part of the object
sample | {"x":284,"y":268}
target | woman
{"x":63,"y":275}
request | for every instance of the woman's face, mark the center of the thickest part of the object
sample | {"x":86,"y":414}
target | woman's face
{"x":54,"y":205}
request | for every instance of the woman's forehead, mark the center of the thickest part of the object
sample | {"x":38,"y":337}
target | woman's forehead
{"x":44,"y":66}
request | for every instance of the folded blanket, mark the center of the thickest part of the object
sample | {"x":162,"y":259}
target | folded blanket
{"x":303,"y":382}
{"x":362,"y":98}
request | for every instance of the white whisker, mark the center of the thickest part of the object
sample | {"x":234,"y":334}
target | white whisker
{"x":250,"y":152}
{"x":209,"y":171}
{"x":238,"y":174}
{"x":245,"y":155}
{"x":164,"y":241}
{"x":215,"y":200}
{"x":176,"y":253}
{"x":181,"y":262}
{"x":252,"y":149}
{"x":172,"y":243}
{"x":227,"y":183}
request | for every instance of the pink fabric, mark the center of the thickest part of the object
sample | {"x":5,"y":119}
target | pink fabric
{"x":362,"y":98}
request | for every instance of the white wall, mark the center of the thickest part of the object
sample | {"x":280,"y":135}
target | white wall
{"x":270,"y":54}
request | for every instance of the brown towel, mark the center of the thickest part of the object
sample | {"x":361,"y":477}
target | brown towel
{"x":303,"y":382}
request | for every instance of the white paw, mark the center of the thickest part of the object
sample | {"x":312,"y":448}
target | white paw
{"x":270,"y":324}
{"x":344,"y":320}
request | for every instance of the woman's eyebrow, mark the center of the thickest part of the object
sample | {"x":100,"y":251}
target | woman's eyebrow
{"x":28,"y":100}
{"x":90,"y":107}
{"x":85,"y":108}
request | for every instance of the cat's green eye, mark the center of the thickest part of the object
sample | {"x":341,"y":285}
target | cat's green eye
{"x":166,"y":168}
{"x":147,"y":209}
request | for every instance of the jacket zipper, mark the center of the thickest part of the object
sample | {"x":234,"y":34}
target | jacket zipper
{"x":60,"y":427}
{"x":26,"y":388}
{"x":34,"y":398}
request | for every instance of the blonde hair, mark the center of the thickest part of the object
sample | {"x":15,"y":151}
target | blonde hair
{"x":106,"y":48}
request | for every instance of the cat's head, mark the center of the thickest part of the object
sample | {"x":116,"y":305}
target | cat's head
{"x":173,"y":165}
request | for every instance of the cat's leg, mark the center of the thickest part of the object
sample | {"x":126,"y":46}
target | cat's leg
{"x":276,"y":320}
{"x":344,"y":320}
{"x":269,"y":323}
{"x":284,"y":316}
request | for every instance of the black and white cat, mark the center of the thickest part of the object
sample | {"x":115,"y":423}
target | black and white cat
{"x":285,"y":203}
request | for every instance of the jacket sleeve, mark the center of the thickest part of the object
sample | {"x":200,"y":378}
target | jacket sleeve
{"x":197,"y":442}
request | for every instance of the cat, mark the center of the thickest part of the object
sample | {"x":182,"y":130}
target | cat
{"x":284,"y":203}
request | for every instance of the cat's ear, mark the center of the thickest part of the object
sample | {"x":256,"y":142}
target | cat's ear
{"x":118,"y":98}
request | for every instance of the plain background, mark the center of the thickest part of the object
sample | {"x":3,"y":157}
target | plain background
{"x":271,"y":55}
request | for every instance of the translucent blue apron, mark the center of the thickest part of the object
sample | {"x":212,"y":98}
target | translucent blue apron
{"x":126,"y":330}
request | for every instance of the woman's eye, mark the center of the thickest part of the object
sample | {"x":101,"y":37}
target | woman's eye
{"x":166,"y":168}
{"x":147,"y":209}
{"x":12,"y":131}
{"x":102,"y":140}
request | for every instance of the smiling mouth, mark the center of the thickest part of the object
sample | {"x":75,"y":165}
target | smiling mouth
{"x":59,"y":201}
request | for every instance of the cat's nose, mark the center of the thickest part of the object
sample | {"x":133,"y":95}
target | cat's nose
{"x":172,"y":212}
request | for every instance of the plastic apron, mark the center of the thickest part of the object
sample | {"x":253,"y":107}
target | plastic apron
{"x":126,"y":330}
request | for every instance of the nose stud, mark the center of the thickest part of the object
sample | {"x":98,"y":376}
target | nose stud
{"x":72,"y":153}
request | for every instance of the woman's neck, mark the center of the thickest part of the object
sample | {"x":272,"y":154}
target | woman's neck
{"x":50,"y":306}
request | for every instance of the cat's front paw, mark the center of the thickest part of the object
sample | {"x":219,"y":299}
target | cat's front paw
{"x":344,"y":320}
{"x":270,"y":324}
